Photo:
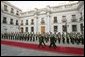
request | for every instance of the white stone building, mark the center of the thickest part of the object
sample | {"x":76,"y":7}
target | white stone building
{"x":63,"y":18}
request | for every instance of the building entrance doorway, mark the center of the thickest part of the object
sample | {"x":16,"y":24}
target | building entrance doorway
{"x":42,"y":29}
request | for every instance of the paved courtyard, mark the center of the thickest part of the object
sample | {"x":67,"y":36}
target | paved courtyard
{"x":15,"y":51}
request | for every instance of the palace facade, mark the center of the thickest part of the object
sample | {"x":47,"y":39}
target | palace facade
{"x":62,"y":18}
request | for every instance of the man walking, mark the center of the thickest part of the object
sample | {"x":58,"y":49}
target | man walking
{"x":52,"y":41}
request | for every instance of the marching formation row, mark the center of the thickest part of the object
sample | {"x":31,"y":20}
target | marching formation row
{"x":46,"y":37}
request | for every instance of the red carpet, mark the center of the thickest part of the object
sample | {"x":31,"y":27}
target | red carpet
{"x":70,"y":50}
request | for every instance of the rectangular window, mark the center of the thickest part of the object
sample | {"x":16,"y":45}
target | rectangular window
{"x":74,"y":28}
{"x":74,"y":18}
{"x":55,"y":19}
{"x":26,"y":29}
{"x":5,"y":8}
{"x":12,"y":10}
{"x":64,"y":19}
{"x":4,"y":20}
{"x":17,"y":13}
{"x":55,"y":28}
{"x":16,"y":22}
{"x":11,"y":21}
{"x":32,"y":29}
{"x":64,"y":28}
{"x":81,"y":26}
{"x":32,"y":22}
{"x":26,"y":22}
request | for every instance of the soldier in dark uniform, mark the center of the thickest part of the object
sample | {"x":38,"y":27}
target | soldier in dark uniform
{"x":59,"y":37}
{"x":52,"y":41}
{"x":13,"y":37}
{"x":41,"y":40}
{"x":71,"y":37}
{"x":63,"y":38}
{"x":30,"y":37}
{"x":33,"y":37}
{"x":77,"y":38}
{"x":20,"y":35}
{"x":25,"y":37}
{"x":16,"y":36}
{"x":1,"y":35}
{"x":47,"y":38}
{"x":36,"y":36}
{"x":82,"y":39}
{"x":67,"y":38}
{"x":10,"y":36}
{"x":5,"y":35}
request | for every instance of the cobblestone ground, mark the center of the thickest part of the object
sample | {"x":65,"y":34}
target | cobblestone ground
{"x":16,"y":51}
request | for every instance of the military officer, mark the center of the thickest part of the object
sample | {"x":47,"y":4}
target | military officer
{"x":41,"y":40}
{"x":52,"y":41}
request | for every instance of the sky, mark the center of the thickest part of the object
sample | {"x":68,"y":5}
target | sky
{"x":30,"y":5}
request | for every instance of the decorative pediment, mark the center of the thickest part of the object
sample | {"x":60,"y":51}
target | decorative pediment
{"x":42,"y":12}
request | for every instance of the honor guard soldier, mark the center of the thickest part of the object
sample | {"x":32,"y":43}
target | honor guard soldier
{"x":1,"y":35}
{"x":4,"y":36}
{"x":82,"y":39}
{"x":52,"y":41}
{"x":67,"y":38}
{"x":59,"y":37}
{"x":77,"y":38}
{"x":33,"y":37}
{"x":47,"y":37}
{"x":36,"y":36}
{"x":27,"y":36}
{"x":41,"y":40}
{"x":71,"y":37}
{"x":30,"y":37}
{"x":15,"y":36}
{"x":63,"y":38}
